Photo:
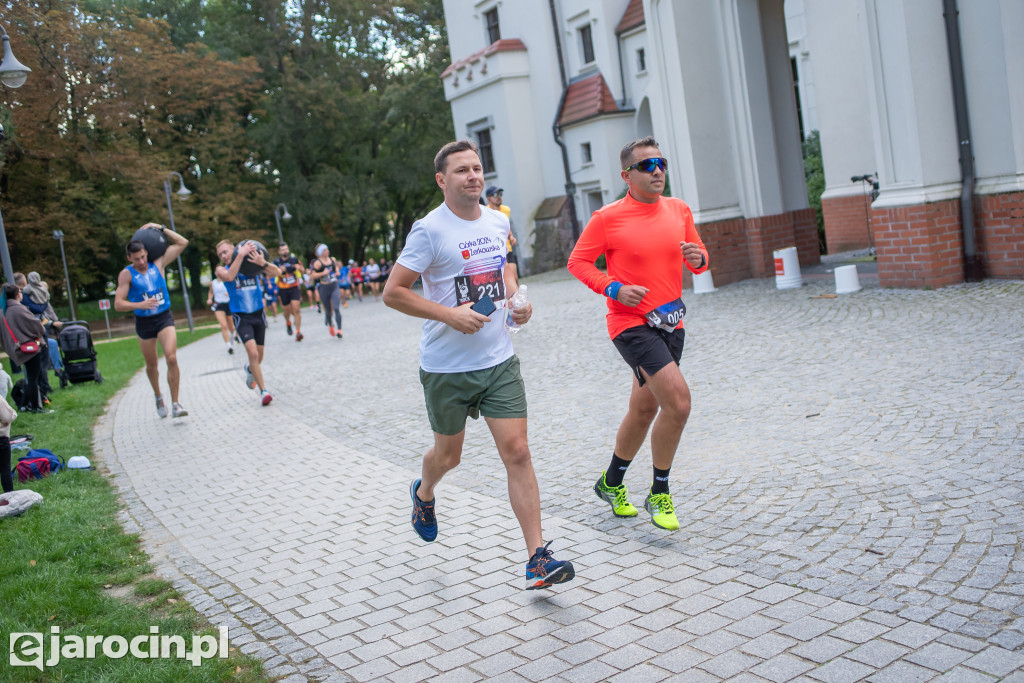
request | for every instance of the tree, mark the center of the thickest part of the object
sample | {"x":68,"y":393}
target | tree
{"x":111,"y":107}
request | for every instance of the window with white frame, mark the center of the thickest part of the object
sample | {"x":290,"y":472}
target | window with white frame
{"x":641,"y":61}
{"x":491,"y":25}
{"x":585,"y":153}
{"x":586,"y":43}
{"x":486,"y":146}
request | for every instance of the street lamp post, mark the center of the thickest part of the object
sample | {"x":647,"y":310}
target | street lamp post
{"x":183,"y":193}
{"x":277,"y":217}
{"x":13,"y":74}
{"x":59,"y":235}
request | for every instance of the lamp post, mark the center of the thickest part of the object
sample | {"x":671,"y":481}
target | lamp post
{"x":59,"y":235}
{"x":13,"y":74}
{"x":277,"y":217}
{"x":183,"y":193}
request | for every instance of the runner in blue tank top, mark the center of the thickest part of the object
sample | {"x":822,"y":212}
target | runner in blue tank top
{"x":246,"y":302}
{"x":142,"y":289}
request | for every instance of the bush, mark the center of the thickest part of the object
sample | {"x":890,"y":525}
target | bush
{"x":814,"y":174}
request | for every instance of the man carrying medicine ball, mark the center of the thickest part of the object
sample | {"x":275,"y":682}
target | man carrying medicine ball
{"x":646,"y":239}
{"x":246,"y":302}
{"x":142,"y":289}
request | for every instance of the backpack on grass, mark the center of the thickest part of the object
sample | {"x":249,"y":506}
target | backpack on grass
{"x":37,"y":464}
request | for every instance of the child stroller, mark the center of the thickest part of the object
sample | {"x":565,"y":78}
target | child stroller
{"x":78,"y":354}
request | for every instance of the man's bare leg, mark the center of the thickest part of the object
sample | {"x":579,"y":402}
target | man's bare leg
{"x":523,"y":493}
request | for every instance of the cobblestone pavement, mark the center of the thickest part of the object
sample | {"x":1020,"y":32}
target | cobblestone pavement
{"x":850,"y":490}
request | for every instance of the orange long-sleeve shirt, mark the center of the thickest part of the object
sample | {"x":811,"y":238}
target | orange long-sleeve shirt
{"x":641,"y":245}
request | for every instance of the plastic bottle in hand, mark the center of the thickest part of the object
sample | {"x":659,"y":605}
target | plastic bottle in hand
{"x":519,"y":300}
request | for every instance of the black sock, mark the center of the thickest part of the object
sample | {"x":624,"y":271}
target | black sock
{"x":660,"y":484}
{"x":616,"y":471}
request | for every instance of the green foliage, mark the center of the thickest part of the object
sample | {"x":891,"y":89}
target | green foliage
{"x":814,"y":174}
{"x":334,"y":107}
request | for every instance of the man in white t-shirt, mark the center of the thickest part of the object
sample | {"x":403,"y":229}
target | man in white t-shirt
{"x":467,"y":366}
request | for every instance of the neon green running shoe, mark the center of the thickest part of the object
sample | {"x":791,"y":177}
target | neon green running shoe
{"x":662,"y":511}
{"x":616,"y":496}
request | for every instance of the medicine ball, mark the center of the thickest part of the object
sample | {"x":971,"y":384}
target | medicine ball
{"x":153,"y":239}
{"x":248,"y":267}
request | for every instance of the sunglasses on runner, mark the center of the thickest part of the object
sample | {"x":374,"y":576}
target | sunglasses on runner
{"x":648,"y":165}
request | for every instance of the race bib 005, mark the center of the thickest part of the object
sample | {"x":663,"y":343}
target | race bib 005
{"x":667,"y":316}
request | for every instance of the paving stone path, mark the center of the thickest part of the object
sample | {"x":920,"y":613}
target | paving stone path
{"x":850,"y":489}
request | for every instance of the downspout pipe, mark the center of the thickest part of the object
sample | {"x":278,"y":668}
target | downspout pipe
{"x":973,"y":266}
{"x":622,"y":71}
{"x":570,"y":186}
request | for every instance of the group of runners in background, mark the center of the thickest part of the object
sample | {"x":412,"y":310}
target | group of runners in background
{"x":353,"y":280}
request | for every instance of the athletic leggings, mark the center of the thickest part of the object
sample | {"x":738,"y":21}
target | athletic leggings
{"x":330,"y":297}
{"x":6,"y":479}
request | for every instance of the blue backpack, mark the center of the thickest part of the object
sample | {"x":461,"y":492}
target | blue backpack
{"x":37,"y":464}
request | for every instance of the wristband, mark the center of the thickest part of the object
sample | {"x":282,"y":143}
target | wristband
{"x":612,"y":290}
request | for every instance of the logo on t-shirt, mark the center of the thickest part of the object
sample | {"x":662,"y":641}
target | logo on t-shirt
{"x":466,"y":254}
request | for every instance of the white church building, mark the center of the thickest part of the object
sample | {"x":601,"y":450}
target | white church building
{"x":551,"y":90}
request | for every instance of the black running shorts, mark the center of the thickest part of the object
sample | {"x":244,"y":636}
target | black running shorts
{"x":251,"y":326}
{"x":649,"y":348}
{"x":286,"y":295}
{"x":148,"y":327}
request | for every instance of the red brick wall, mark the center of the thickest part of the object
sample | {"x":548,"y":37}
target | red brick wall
{"x":805,"y":230}
{"x":999,"y":234}
{"x":727,"y":248}
{"x":742,"y":248}
{"x":919,"y":246}
{"x":846,"y":223}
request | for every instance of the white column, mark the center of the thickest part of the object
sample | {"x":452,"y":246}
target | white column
{"x":994,"y":72}
{"x":912,"y":103}
{"x":690,"y":106}
{"x":839,"y":55}
{"x":763,"y":106}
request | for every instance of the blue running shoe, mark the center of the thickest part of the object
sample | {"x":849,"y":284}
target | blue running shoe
{"x":423,"y":519}
{"x":543,"y":570}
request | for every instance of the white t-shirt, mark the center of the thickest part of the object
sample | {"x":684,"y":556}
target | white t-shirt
{"x":220,"y":291}
{"x":460,"y":261}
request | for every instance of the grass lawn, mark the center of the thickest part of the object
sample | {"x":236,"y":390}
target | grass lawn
{"x":68,"y":563}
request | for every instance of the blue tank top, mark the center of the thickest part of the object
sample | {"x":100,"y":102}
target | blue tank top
{"x":245,"y":294}
{"x":151,"y":284}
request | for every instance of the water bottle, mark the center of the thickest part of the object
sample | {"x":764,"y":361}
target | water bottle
{"x":518,"y":301}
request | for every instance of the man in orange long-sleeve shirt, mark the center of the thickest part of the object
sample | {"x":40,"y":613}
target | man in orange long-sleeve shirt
{"x":646,"y":239}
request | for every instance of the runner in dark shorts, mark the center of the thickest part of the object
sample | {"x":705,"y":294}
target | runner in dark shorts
{"x":142,"y":289}
{"x":649,"y":241}
{"x":289,"y":284}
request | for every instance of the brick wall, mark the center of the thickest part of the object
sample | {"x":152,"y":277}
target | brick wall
{"x":999,"y":232}
{"x":846,"y":223}
{"x":727,"y":248}
{"x":805,"y":231}
{"x":919,"y":246}
{"x":922,"y":245}
{"x":742,"y":248}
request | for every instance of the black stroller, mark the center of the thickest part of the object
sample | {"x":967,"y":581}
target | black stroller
{"x":77,"y":354}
